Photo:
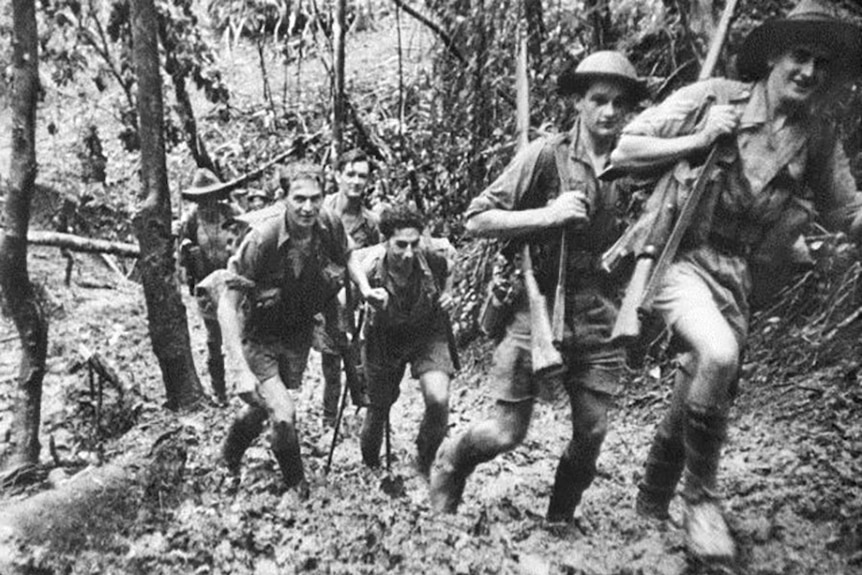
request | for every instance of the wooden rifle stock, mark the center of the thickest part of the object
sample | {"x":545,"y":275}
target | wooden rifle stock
{"x":545,"y":357}
{"x":628,"y":324}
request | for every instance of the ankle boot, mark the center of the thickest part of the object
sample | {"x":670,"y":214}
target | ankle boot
{"x":707,"y":534}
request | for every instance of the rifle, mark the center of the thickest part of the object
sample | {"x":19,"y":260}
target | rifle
{"x":649,"y":273}
{"x":546,"y":357}
{"x":558,"y":320}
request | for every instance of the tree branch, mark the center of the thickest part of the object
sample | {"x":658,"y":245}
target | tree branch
{"x":447,"y":40}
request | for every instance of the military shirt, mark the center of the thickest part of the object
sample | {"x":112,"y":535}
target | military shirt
{"x":365,"y":230}
{"x":530,"y":181}
{"x":280,"y":301}
{"x":766,"y":171}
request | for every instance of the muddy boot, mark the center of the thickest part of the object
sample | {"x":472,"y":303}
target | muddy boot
{"x":371,"y":436}
{"x":452,"y":466}
{"x":331,"y":366}
{"x":707,"y":535}
{"x":243,"y":431}
{"x":575,"y":472}
{"x":431,"y":434}
{"x":285,"y":447}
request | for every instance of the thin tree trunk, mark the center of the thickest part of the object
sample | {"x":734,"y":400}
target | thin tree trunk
{"x":339,"y":30}
{"x":166,"y":313}
{"x":535,"y":31}
{"x":17,"y":296}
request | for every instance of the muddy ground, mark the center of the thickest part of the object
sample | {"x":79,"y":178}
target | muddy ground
{"x":791,"y":471}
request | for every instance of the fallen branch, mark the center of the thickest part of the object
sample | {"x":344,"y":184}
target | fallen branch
{"x":82,"y":244}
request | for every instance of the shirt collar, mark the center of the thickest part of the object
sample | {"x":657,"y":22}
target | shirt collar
{"x":284,"y":233}
{"x":755,"y":111}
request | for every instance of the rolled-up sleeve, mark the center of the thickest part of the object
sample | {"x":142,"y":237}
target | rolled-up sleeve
{"x":675,"y":116}
{"x":244,"y":262}
{"x":507,"y":190}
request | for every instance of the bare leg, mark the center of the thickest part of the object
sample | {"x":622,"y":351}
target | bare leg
{"x":482,"y":442}
{"x":435,"y":391}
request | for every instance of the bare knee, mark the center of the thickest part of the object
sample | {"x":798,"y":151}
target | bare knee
{"x":435,"y":388}
{"x":719,"y":361}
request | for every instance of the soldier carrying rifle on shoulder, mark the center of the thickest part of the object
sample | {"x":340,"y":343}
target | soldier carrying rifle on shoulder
{"x":777,"y":165}
{"x":550,"y":197}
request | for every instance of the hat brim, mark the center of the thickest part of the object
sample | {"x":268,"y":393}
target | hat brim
{"x":774,"y":37}
{"x":571,"y":82}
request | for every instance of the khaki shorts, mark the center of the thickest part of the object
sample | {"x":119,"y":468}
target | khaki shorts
{"x":285,"y":358}
{"x":512,"y":380}
{"x":385,"y":361}
{"x":706,"y":279}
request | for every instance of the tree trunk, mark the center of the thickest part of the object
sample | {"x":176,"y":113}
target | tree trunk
{"x":166,"y":313}
{"x":338,"y":29}
{"x":17,"y":296}
{"x":535,"y":31}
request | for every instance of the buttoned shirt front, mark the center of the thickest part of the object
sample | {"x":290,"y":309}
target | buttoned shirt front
{"x":280,"y":300}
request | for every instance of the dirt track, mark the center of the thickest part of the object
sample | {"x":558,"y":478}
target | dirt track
{"x":791,"y":471}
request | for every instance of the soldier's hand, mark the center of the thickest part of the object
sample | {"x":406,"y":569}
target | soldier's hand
{"x":378,"y":298}
{"x":720,"y":120}
{"x":570,"y":207}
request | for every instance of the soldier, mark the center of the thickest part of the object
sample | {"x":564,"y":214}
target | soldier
{"x":347,"y":203}
{"x":529,"y":203}
{"x":412,"y":328}
{"x":779,"y":163}
{"x":258,"y":198}
{"x":206,"y":242}
{"x":290,"y":263}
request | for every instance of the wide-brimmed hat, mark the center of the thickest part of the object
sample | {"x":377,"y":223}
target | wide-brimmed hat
{"x":602,"y":65}
{"x":205,"y":184}
{"x":811,"y":22}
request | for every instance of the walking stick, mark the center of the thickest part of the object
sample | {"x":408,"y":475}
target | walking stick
{"x":388,"y":444}
{"x":343,"y":400}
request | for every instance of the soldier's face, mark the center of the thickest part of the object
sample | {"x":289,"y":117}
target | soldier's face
{"x":798,"y":74}
{"x":303,"y":203}
{"x":603,"y":109}
{"x":402,"y":246}
{"x":353,"y":179}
